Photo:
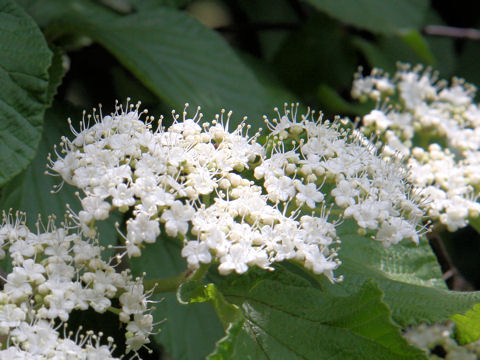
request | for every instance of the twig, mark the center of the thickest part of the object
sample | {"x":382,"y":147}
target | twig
{"x":450,"y":31}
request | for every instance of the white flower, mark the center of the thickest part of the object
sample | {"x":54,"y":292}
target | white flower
{"x":345,"y":193}
{"x":196,"y":252}
{"x":95,"y":207}
{"x":176,"y":218}
{"x":202,"y":180}
{"x":308,"y":194}
{"x":236,"y":260}
{"x":10,"y":317}
{"x":38,"y":339}
{"x":368,"y":213}
{"x":141,"y":324}
{"x":142,"y":229}
{"x":17,"y":286}
{"x":280,"y":188}
{"x":378,"y":119}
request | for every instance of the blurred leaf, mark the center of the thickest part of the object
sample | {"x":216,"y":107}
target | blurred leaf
{"x":386,"y":52}
{"x":374,"y":55}
{"x":467,"y":65}
{"x":475,"y":223}
{"x":46,"y":11}
{"x":419,"y":45}
{"x":56,"y":73}
{"x":277,"y":93}
{"x":443,"y":50}
{"x":188,"y":332}
{"x":467,"y":328}
{"x":120,"y":6}
{"x":334,"y":103}
{"x":24,"y":62}
{"x":409,"y":276}
{"x":173,"y":55}
{"x":318,"y":53}
{"x":126,"y":85}
{"x":145,"y":4}
{"x":279,"y":14}
{"x":285,"y":318}
{"x":397,"y":48}
{"x":378,"y":16}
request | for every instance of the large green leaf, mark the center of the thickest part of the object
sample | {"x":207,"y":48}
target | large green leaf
{"x":189,"y":331}
{"x":286,"y":318}
{"x":175,"y":56}
{"x":24,"y":62}
{"x":378,"y":16}
{"x":409,"y":276}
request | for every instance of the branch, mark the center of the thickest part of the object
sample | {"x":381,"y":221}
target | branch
{"x":453,"y":32}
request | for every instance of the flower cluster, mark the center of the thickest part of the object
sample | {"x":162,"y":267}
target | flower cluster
{"x":57,"y":271}
{"x":432,"y":337}
{"x":194,"y":182}
{"x":435,"y":125}
{"x":364,"y":187}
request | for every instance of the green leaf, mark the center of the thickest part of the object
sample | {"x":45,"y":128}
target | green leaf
{"x":189,"y":331}
{"x":409,"y":276}
{"x":56,"y":73}
{"x":24,"y":62}
{"x":378,"y":16}
{"x":31,"y":191}
{"x":286,"y":318}
{"x":467,"y":328}
{"x":420,"y":45}
{"x":173,"y":55}
{"x":467,"y":66}
{"x":374,"y":55}
{"x":408,"y":46}
{"x":475,"y":223}
{"x":197,"y":292}
{"x":301,"y":66}
{"x":144,"y":4}
{"x":334,"y":103}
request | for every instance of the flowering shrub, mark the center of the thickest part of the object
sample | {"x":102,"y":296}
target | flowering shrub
{"x":287,"y":234}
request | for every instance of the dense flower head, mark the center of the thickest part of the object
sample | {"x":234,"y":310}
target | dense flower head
{"x":55,"y":271}
{"x":435,"y":126}
{"x":228,"y":198}
{"x":352,"y":176}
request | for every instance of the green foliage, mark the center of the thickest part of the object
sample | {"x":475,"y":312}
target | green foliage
{"x":24,"y":62}
{"x":285,"y":317}
{"x":170,"y":53}
{"x":383,"y":17}
{"x":468,"y":326}
{"x":409,"y":276}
